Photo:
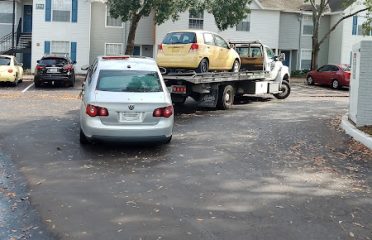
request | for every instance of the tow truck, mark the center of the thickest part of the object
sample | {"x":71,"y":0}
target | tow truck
{"x":260,"y":73}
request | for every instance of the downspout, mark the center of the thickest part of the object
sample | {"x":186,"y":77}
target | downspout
{"x":299,"y":42}
{"x":13,"y":23}
{"x":125,"y":37}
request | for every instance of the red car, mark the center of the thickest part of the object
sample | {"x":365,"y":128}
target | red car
{"x":336,"y":76}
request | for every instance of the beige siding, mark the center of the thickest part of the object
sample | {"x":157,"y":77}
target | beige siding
{"x":290,"y":27}
{"x":145,"y":34}
{"x":100,"y":34}
{"x":324,"y":48}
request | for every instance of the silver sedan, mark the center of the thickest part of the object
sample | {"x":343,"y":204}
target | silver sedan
{"x":125,"y":99}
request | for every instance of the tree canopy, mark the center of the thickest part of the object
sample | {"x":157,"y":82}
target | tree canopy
{"x":227,"y":13}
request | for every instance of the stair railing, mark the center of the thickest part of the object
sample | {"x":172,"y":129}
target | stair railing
{"x":19,"y":31}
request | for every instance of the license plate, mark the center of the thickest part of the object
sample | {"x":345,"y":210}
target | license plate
{"x":176,"y":49}
{"x":130,"y":117}
{"x":52,"y":70}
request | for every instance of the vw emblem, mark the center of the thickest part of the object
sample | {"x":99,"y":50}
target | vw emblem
{"x":131,"y":107}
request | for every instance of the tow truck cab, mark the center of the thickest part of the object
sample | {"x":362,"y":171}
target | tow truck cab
{"x":256,"y":56}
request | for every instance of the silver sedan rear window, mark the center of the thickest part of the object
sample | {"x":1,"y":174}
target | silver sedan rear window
{"x":128,"y":81}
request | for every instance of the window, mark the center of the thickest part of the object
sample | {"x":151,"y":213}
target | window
{"x":128,"y":81}
{"x":324,"y":68}
{"x":305,"y":59}
{"x":270,"y":53}
{"x":61,"y":10}
{"x":4,"y":61}
{"x":307,"y":26}
{"x":196,"y":19}
{"x":180,"y":38}
{"x":208,"y":39}
{"x":50,"y":61}
{"x":6,"y":13}
{"x":220,"y":42}
{"x":114,"y":49}
{"x":333,"y":68}
{"x":358,"y":22}
{"x":112,"y":22}
{"x":137,"y":51}
{"x":256,"y":52}
{"x":60,"y":48}
{"x":244,"y":25}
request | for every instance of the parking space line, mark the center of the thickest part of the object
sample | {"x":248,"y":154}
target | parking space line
{"x":31,"y":85}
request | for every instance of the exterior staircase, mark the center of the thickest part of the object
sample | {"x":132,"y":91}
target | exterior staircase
{"x":22,"y":42}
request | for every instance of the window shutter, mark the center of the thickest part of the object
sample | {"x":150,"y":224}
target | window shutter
{"x":48,"y":10}
{"x":73,"y":51}
{"x":47,"y":47}
{"x":74,"y":11}
{"x":355,"y":25}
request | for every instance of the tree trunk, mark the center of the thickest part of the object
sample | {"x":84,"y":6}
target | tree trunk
{"x":315,"y":43}
{"x":132,"y":34}
{"x":314,"y":56}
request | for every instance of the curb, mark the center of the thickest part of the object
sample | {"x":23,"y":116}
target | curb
{"x":358,"y":135}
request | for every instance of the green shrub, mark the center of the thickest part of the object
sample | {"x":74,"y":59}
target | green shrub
{"x":299,"y":73}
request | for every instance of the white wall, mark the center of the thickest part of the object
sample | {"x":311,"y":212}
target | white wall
{"x":336,"y":39}
{"x":62,"y":31}
{"x":361,"y":85}
{"x":342,"y":40}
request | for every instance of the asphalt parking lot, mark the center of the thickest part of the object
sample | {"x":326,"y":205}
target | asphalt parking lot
{"x":266,"y":169}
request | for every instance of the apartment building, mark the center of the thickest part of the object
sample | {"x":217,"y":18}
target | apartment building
{"x":84,"y":29}
{"x":348,"y":33}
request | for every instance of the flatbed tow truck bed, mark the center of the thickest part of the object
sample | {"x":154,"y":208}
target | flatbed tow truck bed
{"x":218,"y":89}
{"x":215,"y":77}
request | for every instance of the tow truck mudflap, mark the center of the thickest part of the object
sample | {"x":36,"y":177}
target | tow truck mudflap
{"x":209,"y":100}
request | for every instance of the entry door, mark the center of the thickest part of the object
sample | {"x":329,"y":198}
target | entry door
{"x":27,"y":18}
{"x":287,"y":58}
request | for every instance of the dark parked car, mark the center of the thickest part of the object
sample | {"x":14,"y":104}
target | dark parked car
{"x":336,"y":76}
{"x":54,"y":69}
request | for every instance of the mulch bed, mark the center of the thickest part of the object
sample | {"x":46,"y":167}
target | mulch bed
{"x":366,"y":129}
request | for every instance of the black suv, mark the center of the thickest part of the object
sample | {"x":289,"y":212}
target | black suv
{"x":54,"y":69}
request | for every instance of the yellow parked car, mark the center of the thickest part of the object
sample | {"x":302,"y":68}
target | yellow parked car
{"x":10,"y":70}
{"x":201,"y":51}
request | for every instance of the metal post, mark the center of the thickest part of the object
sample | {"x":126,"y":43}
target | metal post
{"x":13,"y":47}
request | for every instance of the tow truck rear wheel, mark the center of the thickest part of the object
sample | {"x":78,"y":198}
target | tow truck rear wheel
{"x":178,"y":100}
{"x":285,"y":91}
{"x":226,"y":97}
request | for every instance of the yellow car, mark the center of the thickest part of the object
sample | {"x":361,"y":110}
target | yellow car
{"x":10,"y":70}
{"x":201,"y":51}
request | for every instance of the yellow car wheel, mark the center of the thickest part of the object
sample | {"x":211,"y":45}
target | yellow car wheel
{"x":203,"y":66}
{"x":236,"y":66}
{"x":15,"y":83}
